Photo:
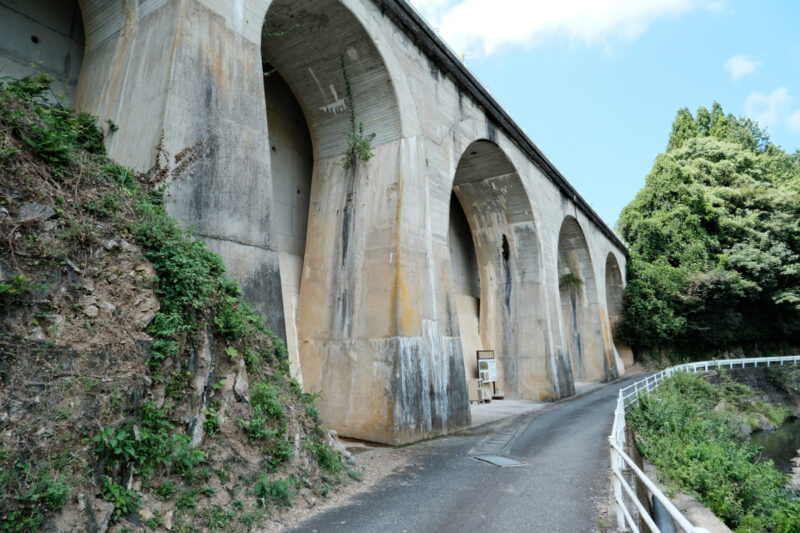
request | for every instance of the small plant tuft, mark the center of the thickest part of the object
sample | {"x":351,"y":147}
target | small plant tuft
{"x":359,"y":145}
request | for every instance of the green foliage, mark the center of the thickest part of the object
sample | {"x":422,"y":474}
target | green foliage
{"x":278,"y":491}
{"x":267,"y":400}
{"x":786,"y":378}
{"x":310,"y":401}
{"x":359,"y":145}
{"x":18,"y":289}
{"x":28,"y":495}
{"x":178,"y":382}
{"x":268,"y":422}
{"x":327,"y":458}
{"x":188,"y":272}
{"x":694,"y":446}
{"x":187,"y":500}
{"x":236,"y":318}
{"x":150,"y":446}
{"x":125,"y":501}
{"x":570,"y":280}
{"x":211,"y":424}
{"x":217,"y":518}
{"x":104,"y":208}
{"x":714,"y":240}
{"x":166,"y":490}
{"x":55,"y":133}
{"x":119,"y":176}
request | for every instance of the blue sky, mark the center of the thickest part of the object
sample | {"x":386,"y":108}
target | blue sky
{"x":596,"y":83}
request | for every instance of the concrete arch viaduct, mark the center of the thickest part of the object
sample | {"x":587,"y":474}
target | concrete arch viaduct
{"x":386,"y":277}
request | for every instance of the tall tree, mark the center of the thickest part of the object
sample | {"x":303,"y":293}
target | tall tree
{"x":715,"y":241}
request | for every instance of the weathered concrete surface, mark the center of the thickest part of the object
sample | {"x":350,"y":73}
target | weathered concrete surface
{"x":381,"y":301}
{"x":44,"y":36}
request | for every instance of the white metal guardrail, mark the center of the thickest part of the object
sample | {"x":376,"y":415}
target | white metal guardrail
{"x":621,"y":462}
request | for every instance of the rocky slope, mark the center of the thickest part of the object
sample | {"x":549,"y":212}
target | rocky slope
{"x":138,"y":391}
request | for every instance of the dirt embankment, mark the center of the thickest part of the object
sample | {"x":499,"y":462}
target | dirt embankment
{"x":138,"y":391}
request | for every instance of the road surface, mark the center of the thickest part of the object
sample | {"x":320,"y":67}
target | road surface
{"x":560,"y":487}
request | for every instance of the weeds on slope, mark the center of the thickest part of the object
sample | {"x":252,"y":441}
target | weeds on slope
{"x":122,"y":409}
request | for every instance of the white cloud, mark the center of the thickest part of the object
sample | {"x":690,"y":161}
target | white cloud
{"x":739,"y":66}
{"x":768,"y":109}
{"x":794,"y":121}
{"x":483,"y":26}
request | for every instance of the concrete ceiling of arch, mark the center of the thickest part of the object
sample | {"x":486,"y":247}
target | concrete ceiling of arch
{"x":572,"y":246}
{"x":305,"y":41}
{"x":489,"y":186}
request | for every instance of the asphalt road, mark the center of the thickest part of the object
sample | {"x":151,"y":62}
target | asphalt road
{"x":559,"y":488}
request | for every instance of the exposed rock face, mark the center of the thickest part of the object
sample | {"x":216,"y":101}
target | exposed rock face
{"x":90,"y":515}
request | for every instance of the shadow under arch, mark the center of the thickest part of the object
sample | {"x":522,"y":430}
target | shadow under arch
{"x":334,"y":307}
{"x":508,"y":307}
{"x":615,"y":287}
{"x":43,"y":36}
{"x":582,"y":319}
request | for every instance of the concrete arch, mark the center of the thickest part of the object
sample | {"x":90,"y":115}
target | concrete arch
{"x":332,"y":246}
{"x":43,"y":36}
{"x":615,"y":286}
{"x":306,"y":41}
{"x":508,"y":312}
{"x":374,"y":24}
{"x":581,"y":314}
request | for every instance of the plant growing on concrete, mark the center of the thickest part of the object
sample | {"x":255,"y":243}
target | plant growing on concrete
{"x":570,"y":280}
{"x":359,"y":145}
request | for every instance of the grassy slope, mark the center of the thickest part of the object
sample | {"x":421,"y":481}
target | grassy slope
{"x":691,"y":431}
{"x":135,"y":383}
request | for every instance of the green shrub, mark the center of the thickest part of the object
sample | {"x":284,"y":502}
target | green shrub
{"x":18,"y":289}
{"x":327,"y":458}
{"x":125,"y":501}
{"x":187,"y":500}
{"x":278,"y":491}
{"x":211,"y":425}
{"x":157,"y":445}
{"x":28,"y":496}
{"x":694,"y":446}
{"x":217,"y":518}
{"x":166,"y":490}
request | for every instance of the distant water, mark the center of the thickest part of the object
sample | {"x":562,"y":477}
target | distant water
{"x":780,"y":445}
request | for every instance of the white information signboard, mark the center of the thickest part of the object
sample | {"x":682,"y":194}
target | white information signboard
{"x":487,"y":366}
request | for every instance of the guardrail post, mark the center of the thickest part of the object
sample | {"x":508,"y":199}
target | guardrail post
{"x":615,"y":467}
{"x":661,"y":516}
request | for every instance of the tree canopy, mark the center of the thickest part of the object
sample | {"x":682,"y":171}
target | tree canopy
{"x":714,"y":241}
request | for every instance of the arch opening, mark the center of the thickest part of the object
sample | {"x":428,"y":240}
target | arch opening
{"x":615,"y":287}
{"x":292,"y":166}
{"x":581,"y":317}
{"x":43,"y":36}
{"x":499,"y":308}
{"x":321,"y":70}
{"x":466,"y":285}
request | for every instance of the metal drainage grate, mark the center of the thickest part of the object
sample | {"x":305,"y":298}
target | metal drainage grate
{"x":498,"y":460}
